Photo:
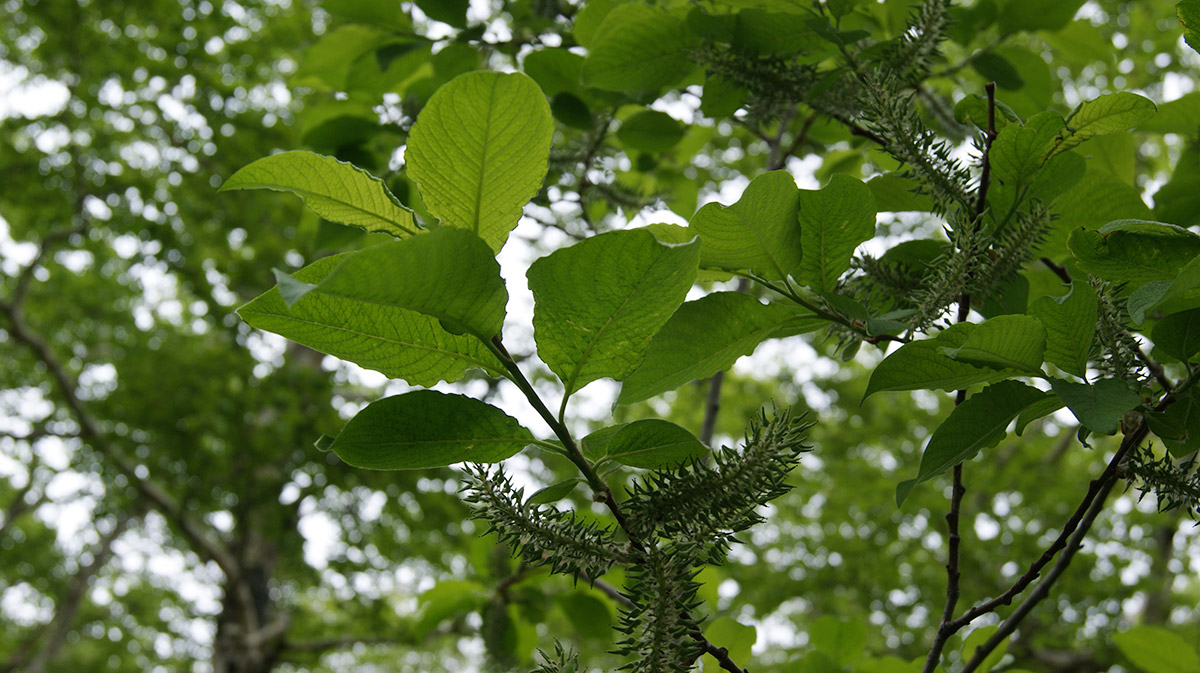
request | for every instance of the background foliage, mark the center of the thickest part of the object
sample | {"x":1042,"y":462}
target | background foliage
{"x":163,"y":507}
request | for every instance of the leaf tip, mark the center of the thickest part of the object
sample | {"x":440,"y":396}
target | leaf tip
{"x":290,"y":289}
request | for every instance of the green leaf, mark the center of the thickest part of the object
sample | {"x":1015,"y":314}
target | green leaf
{"x":1037,"y":410}
{"x":1004,"y":342}
{"x":1181,"y":115}
{"x":381,"y":13}
{"x":1179,"y":294}
{"x":1020,"y":151}
{"x":842,"y":640}
{"x":1188,"y":12}
{"x":760,"y":232}
{"x":833,"y":222}
{"x":894,"y":194}
{"x":976,"y":640}
{"x":1096,"y":199}
{"x":650,"y":131}
{"x":426,"y":428}
{"x":445,"y":600}
{"x":1178,"y":201}
{"x":555,"y":70}
{"x":479,"y":151}
{"x":598,"y":303}
{"x":1178,"y":335}
{"x":706,"y":336}
{"x":1178,"y":426}
{"x":335,"y":190}
{"x":453,"y":12}
{"x":637,"y":47}
{"x":973,"y":109}
{"x":328,"y":63}
{"x":1098,"y":407}
{"x":653,"y":444}
{"x":588,"y":614}
{"x":1109,"y":113}
{"x":554,"y":492}
{"x":572,"y":111}
{"x":923,"y":365}
{"x":737,"y":638}
{"x":1070,"y":322}
{"x":595,"y":445}
{"x":399,"y":343}
{"x":978,"y":423}
{"x":448,"y":274}
{"x":290,"y":289}
{"x":587,"y":21}
{"x":995,"y":67}
{"x":1154,"y":649}
{"x":1134,"y":251}
{"x":1034,"y":15}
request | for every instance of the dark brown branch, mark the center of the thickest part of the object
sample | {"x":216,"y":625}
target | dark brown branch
{"x":985,"y":175}
{"x":1058,"y":269}
{"x":36,"y":653}
{"x":1042,"y":590}
{"x":946,"y":628}
{"x":206,"y":543}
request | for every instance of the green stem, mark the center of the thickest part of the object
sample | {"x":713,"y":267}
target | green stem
{"x":571,"y":450}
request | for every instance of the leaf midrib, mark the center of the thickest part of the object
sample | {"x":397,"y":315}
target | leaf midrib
{"x":368,"y":335}
{"x":487,"y":136}
{"x":302,"y":193}
{"x":570,"y":387}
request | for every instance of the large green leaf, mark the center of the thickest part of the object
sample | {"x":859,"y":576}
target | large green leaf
{"x":335,"y":190}
{"x":1178,"y":426}
{"x":1109,"y":113}
{"x":1154,"y":649}
{"x":1006,"y":341}
{"x":1135,"y":251}
{"x":735,"y":637}
{"x":479,"y":151}
{"x":1181,"y":115}
{"x":599,"y":302}
{"x":760,"y":232}
{"x":1034,"y":15}
{"x":1188,"y":12}
{"x":1020,"y":150}
{"x":706,"y":336}
{"x":397,"y":342}
{"x":650,"y":131}
{"x":842,"y":640}
{"x":924,"y":365}
{"x":653,"y":444}
{"x":1070,"y":322}
{"x":1098,"y":407}
{"x":976,"y":640}
{"x":426,"y":428}
{"x":637,"y":47}
{"x":978,"y":423}
{"x":1178,"y":335}
{"x":448,"y":274}
{"x":1178,"y":201}
{"x":1096,"y":199}
{"x":833,"y":222}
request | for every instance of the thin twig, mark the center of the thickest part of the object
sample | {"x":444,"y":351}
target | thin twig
{"x":1073,"y":531}
{"x":947,"y":627}
{"x":207,"y":543}
{"x":1058,"y":269}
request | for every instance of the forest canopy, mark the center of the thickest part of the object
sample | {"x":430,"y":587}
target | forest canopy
{"x":562,"y":335}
